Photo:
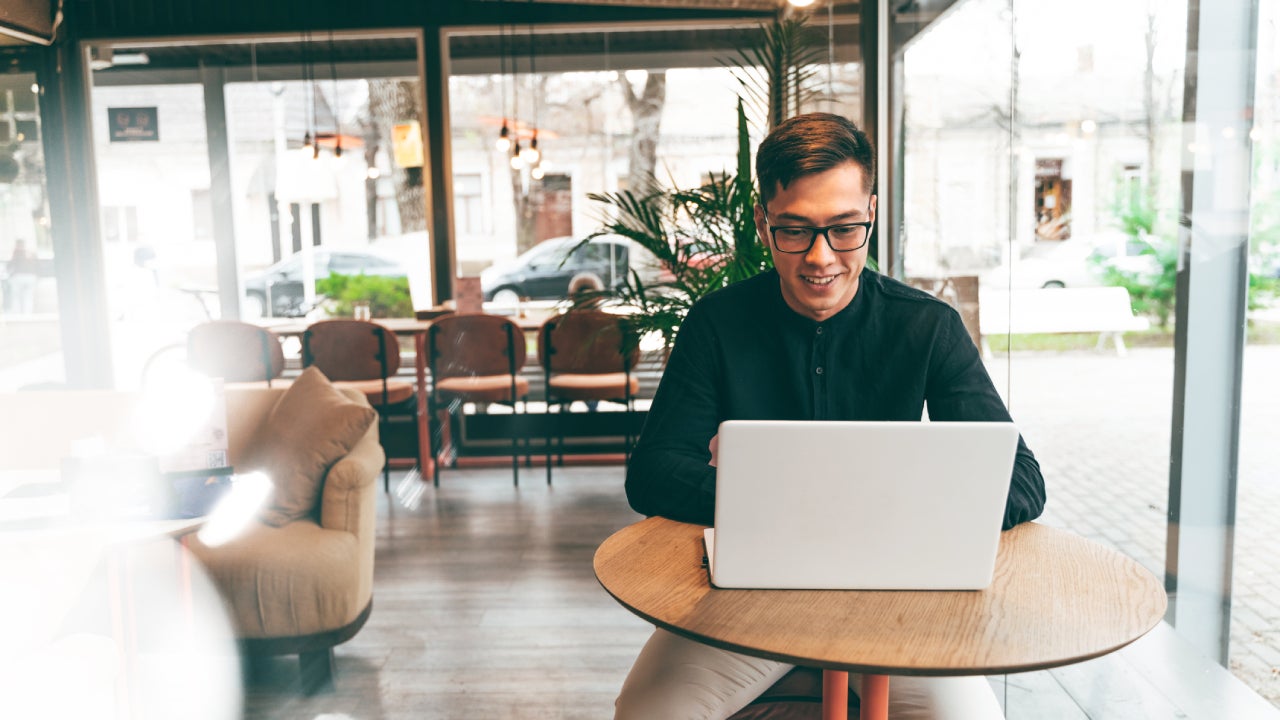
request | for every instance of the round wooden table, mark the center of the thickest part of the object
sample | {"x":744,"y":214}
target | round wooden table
{"x":1056,"y":599}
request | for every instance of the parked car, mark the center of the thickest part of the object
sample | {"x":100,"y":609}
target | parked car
{"x":1079,"y":262}
{"x":553,"y":269}
{"x":277,"y":290}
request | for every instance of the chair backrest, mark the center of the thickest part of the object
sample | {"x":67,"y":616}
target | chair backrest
{"x":351,"y":349}
{"x":235,"y":351}
{"x":475,"y":344}
{"x":586,"y":341}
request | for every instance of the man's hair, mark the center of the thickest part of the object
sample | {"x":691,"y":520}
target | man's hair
{"x":809,"y":144}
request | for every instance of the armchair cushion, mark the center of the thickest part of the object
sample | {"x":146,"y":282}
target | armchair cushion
{"x":309,"y":429}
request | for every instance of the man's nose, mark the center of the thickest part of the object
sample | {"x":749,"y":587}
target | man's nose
{"x":820,"y":252}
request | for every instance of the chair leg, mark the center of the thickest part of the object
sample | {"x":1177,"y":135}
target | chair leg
{"x":437,"y":439}
{"x":560,"y":435}
{"x":316,"y":671}
{"x":547,"y":447}
{"x":386,"y":456}
{"x":515,"y":446}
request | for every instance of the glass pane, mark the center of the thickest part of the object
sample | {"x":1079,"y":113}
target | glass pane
{"x":155,"y":216}
{"x":30,"y":337}
{"x":319,"y":181}
{"x":1254,"y":642}
{"x":356,"y":204}
{"x":612,"y":111}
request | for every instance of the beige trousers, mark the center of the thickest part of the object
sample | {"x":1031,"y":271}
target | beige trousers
{"x":679,"y":679}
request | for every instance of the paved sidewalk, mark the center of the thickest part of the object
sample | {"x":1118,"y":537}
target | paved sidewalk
{"x":1100,"y":426}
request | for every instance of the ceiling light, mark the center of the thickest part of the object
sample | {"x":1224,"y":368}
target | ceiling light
{"x":800,"y":3}
{"x":531,"y":154}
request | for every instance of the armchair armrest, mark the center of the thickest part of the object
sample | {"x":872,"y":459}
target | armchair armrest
{"x":349,"y":498}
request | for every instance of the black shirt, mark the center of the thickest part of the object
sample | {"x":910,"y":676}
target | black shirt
{"x":743,"y":354}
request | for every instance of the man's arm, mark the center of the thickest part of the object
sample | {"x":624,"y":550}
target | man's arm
{"x":959,"y":388}
{"x":669,"y":472}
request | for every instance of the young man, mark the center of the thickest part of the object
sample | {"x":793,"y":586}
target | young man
{"x":819,"y":338}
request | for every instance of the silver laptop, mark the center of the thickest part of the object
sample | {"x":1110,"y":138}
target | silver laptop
{"x":859,"y":505}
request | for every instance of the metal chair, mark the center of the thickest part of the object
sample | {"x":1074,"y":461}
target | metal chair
{"x":235,"y":351}
{"x":363,"y":355}
{"x":476,"y":358}
{"x":587,"y":355}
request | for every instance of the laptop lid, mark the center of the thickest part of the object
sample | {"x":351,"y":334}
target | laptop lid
{"x":860,"y":505}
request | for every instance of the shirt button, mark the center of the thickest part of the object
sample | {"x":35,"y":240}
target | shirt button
{"x":819,"y":370}
{"x":819,"y":331}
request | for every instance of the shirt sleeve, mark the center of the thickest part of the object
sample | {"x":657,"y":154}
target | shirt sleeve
{"x":959,"y":388}
{"x":669,"y":472}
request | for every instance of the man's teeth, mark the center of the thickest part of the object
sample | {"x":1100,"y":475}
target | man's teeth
{"x":819,"y":281}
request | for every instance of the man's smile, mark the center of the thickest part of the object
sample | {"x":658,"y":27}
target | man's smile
{"x":819,"y":280}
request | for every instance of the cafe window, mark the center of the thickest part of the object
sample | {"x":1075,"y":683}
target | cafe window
{"x":249,"y":151}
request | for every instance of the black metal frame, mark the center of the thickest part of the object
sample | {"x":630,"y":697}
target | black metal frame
{"x":433,"y":404}
{"x":378,"y":331}
{"x":628,"y":399}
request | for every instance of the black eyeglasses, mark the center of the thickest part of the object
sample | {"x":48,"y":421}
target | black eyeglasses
{"x":799,"y":239}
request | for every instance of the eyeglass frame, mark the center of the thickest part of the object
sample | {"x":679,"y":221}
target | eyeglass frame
{"x":816,"y":231}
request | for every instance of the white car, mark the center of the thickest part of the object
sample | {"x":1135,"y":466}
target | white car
{"x":1047,"y":265}
{"x":1078,"y":262}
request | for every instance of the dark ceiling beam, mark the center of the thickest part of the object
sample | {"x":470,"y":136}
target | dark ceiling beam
{"x":103,"y":19}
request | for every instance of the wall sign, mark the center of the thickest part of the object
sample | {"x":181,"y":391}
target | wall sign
{"x":138,"y":124}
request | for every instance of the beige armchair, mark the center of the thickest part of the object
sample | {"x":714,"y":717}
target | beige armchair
{"x":307,"y":585}
{"x":299,"y":583}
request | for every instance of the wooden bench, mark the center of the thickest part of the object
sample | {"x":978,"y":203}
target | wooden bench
{"x":1103,"y":310}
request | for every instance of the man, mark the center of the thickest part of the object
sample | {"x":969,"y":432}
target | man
{"x":819,"y":338}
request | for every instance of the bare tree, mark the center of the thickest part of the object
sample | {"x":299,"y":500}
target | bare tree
{"x":392,"y":102}
{"x":646,"y":113}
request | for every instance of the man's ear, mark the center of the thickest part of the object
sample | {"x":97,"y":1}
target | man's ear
{"x":874,"y":198}
{"x":762,"y":225}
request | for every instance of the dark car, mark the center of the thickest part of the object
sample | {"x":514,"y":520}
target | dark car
{"x":553,"y":269}
{"x":277,"y":290}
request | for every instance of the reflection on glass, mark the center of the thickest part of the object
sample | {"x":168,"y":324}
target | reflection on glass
{"x":30,"y":341}
{"x":1256,"y":557}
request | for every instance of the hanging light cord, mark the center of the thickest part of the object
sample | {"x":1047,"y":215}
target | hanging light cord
{"x":502,"y":62}
{"x":831,"y":51}
{"x":533,"y":77}
{"x":515,"y":96}
{"x":337,"y":116}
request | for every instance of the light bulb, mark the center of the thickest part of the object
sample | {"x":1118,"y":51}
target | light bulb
{"x":800,"y":3}
{"x":537,"y":173}
{"x":530,"y":154}
{"x":504,"y":138}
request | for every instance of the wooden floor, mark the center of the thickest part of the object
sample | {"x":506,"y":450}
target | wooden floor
{"x":485,"y":606}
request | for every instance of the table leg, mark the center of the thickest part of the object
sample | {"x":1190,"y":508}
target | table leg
{"x":874,"y":697}
{"x":835,"y":695}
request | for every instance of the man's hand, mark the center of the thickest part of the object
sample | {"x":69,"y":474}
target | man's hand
{"x":714,"y":447}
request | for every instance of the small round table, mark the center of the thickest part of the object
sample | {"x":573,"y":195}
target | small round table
{"x":1056,"y":599}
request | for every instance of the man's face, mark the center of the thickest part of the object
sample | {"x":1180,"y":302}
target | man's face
{"x":821,"y":282}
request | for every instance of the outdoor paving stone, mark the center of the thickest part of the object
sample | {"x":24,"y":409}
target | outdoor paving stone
{"x":1104,"y":450}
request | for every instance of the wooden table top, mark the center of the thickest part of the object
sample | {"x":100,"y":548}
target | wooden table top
{"x":1056,"y":599}
{"x":399,"y":326}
